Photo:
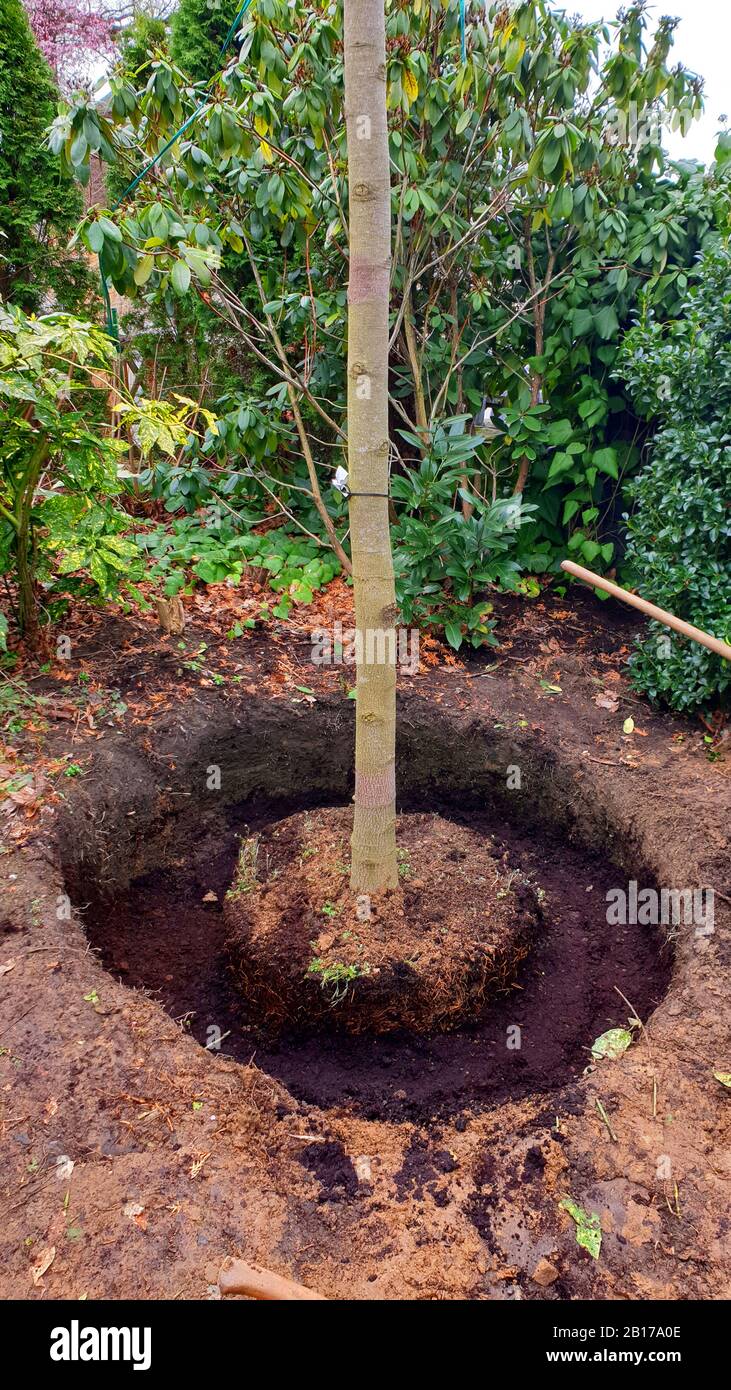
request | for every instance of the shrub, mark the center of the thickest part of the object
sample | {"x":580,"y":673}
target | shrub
{"x":679,"y":552}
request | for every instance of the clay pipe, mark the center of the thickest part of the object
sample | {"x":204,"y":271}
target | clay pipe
{"x":660,"y":615}
{"x":236,"y":1276}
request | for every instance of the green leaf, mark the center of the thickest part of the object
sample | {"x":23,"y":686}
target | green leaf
{"x":606,"y":461}
{"x":95,"y":237}
{"x":588,"y":1226}
{"x":144,"y":269}
{"x":180,"y":277}
{"x":611,"y":1044}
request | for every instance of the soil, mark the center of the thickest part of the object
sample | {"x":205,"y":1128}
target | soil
{"x":134,"y":1159}
{"x":306,"y":951}
{"x":167,"y":934}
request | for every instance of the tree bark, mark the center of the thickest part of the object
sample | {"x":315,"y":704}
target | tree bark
{"x":374,"y":824}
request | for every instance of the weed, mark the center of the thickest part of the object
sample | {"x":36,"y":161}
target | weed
{"x":246,"y":880}
{"x":336,"y":977}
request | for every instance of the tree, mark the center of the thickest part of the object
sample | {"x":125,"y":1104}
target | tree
{"x":72,"y":35}
{"x":374,"y":863}
{"x":198,"y":32}
{"x":516,"y":201}
{"x":39,"y":203}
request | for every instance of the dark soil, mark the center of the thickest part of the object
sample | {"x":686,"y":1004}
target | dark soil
{"x":307,"y":953}
{"x":163,"y":937}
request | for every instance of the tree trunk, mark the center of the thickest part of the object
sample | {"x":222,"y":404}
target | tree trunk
{"x":374,"y":826}
{"x":27,"y":611}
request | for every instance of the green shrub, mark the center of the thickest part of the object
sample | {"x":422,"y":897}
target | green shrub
{"x":679,"y":552}
{"x":446,"y":560}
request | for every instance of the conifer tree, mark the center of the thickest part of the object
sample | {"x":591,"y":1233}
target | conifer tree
{"x":39,"y":203}
{"x":198,"y":32}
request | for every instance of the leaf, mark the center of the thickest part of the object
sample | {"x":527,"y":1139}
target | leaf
{"x":95,"y":237}
{"x":411,"y":88}
{"x":180,"y":277}
{"x":606,"y":461}
{"x":605,"y":700}
{"x":629,"y":725}
{"x":724,"y":1077}
{"x":588,"y":1226}
{"x":144,"y":269}
{"x":611,"y":1044}
{"x":43,"y":1263}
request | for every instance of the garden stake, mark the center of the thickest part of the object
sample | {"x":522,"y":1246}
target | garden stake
{"x":660,"y":615}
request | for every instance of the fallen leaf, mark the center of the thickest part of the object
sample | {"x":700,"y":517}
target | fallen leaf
{"x":7,"y":967}
{"x":606,"y":701}
{"x":629,"y":726}
{"x":64,"y":1167}
{"x":44,"y":1262}
{"x":25,"y":796}
{"x":588,"y":1226}
{"x":210,"y":897}
{"x":724,"y":1077}
{"x":611,"y":1044}
{"x":132,"y":1209}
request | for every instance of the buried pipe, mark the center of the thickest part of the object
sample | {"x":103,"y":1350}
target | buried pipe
{"x":660,"y":615}
{"x":236,"y":1276}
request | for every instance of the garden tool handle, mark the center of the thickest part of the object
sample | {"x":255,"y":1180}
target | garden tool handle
{"x":660,"y":615}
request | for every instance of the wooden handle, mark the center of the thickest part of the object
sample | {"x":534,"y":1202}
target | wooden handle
{"x":660,"y":615}
{"x":236,"y":1276}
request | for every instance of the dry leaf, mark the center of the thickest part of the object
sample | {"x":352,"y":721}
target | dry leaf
{"x":606,"y":701}
{"x":7,"y":967}
{"x":44,"y":1262}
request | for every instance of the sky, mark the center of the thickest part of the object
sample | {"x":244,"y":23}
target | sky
{"x":703,"y":44}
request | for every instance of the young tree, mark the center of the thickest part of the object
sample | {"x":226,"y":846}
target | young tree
{"x":374,"y":828}
{"x":39,"y":203}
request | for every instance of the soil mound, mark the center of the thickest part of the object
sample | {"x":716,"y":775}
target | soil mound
{"x":305,"y":951}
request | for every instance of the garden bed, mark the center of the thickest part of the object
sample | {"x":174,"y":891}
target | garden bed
{"x":406,"y":1166}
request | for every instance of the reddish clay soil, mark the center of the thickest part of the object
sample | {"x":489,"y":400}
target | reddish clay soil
{"x":134,"y":1160}
{"x":306,"y":951}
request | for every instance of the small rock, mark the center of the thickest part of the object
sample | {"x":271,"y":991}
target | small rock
{"x":544,"y":1273}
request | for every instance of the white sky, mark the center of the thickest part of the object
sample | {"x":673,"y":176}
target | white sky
{"x":703,"y":44}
